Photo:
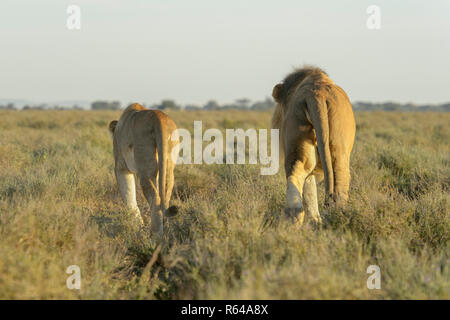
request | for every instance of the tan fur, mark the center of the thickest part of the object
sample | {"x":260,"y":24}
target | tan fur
{"x":317,"y":131}
{"x":142,"y":147}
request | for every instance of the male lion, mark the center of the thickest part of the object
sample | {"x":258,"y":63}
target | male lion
{"x":317,"y":131}
{"x":143,"y":145}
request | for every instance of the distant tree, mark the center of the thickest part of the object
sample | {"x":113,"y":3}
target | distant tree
{"x":211,"y":105}
{"x":267,"y":104}
{"x":243,"y":103}
{"x":9,"y":106}
{"x":445,"y":107}
{"x":105,"y":105}
{"x":168,"y":104}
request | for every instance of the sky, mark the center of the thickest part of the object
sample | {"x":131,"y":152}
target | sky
{"x":196,"y":50}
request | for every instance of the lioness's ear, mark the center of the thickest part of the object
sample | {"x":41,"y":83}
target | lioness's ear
{"x":276,"y":92}
{"x":112,"y":127}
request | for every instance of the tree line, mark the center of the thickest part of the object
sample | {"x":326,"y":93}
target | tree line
{"x":239,"y":104}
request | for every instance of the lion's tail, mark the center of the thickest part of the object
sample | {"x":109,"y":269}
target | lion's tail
{"x":318,"y":111}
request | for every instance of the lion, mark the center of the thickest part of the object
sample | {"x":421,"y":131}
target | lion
{"x":317,"y":132}
{"x":144,"y":143}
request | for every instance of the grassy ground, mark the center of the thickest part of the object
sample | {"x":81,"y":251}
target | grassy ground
{"x":59,"y":206}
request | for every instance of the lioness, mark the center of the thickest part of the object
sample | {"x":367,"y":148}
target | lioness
{"x":143,"y":144}
{"x":317,"y":131}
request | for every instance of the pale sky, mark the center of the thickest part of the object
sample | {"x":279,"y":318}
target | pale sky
{"x":196,"y":50}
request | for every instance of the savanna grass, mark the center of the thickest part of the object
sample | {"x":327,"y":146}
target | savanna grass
{"x":59,"y":206}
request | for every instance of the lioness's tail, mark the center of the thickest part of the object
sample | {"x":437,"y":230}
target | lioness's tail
{"x":318,"y":112}
{"x":161,"y":146}
{"x":163,"y":154}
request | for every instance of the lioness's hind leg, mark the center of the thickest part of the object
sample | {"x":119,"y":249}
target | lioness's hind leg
{"x":147,"y":167}
{"x":310,"y":198}
{"x":127,"y":189}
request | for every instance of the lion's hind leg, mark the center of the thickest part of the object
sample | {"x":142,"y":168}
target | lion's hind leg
{"x":310,"y":199}
{"x":300,"y":161}
{"x":294,"y":206}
